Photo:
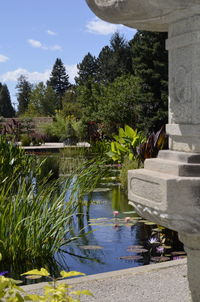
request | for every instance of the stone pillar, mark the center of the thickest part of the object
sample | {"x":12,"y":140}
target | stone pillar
{"x":184,"y":84}
{"x":167,"y":190}
{"x":192,"y":248}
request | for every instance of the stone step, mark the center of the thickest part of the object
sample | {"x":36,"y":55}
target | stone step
{"x":172,"y":167}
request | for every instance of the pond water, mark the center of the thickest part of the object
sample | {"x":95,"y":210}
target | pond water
{"x":113,"y":237}
{"x":118,"y":238}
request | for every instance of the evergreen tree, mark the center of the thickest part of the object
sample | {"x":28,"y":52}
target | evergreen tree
{"x":23,"y":95}
{"x":86,"y":69}
{"x":6,"y":108}
{"x":150,"y":65}
{"x":59,"y":81}
{"x":114,"y":60}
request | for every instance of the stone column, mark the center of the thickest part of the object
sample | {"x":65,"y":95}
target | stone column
{"x":192,"y":248}
{"x":184,"y":84}
{"x":167,"y":190}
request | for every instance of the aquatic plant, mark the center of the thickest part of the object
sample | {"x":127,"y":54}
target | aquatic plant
{"x":35,"y":222}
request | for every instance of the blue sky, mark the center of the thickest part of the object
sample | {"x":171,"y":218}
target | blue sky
{"x":36,"y":32}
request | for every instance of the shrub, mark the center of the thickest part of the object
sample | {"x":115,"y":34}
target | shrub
{"x":25,"y":140}
{"x":53,"y":291}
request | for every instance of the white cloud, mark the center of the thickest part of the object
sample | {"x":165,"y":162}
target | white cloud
{"x":35,"y":76}
{"x":35,"y":43}
{"x":3,"y":58}
{"x":72,"y":72}
{"x":38,"y":44}
{"x":54,"y":47}
{"x":97,"y":26}
{"x":51,"y":33}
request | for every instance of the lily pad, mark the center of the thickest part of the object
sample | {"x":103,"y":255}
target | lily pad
{"x":132,"y":257}
{"x":160,"y":259}
{"x":138,"y":250}
{"x":149,"y":223}
{"x":91,"y":247}
{"x":101,"y":190}
{"x":167,"y":247}
{"x":178,"y":253}
{"x":130,"y":212}
{"x":135,"y":247}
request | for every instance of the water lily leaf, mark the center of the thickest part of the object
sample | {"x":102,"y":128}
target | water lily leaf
{"x":91,"y":247}
{"x":160,"y":259}
{"x":132,"y":257}
{"x":177,"y":253}
{"x":101,"y":190}
{"x":134,"y":250}
{"x":136,"y":246}
{"x":130,"y":212}
{"x":167,"y":247}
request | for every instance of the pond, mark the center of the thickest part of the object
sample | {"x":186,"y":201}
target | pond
{"x":113,"y":236}
{"x":118,"y":238}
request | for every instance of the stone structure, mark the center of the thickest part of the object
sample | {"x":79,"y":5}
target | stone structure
{"x":167,"y":190}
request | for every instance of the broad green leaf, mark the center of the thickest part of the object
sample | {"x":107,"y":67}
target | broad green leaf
{"x":70,"y":274}
{"x":129,"y":131}
{"x":121,"y":132}
{"x":42,"y":272}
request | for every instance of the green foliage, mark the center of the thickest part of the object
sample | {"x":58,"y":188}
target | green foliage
{"x":87,"y":69}
{"x":114,"y":60}
{"x":126,"y":143}
{"x":14,"y":165}
{"x":150,"y":65}
{"x":118,"y":104}
{"x":23,"y":95}
{"x":60,"y":127}
{"x":59,"y":81}
{"x":53,"y":291}
{"x":42,"y":101}
{"x":35,"y":220}
{"x":6,"y":108}
{"x":128,"y":165}
{"x":25,"y":140}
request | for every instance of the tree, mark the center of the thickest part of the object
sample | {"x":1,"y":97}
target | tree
{"x":70,"y":105}
{"x":86,"y":69}
{"x":114,"y":60}
{"x":6,"y":108}
{"x":150,"y":65}
{"x":42,"y":101}
{"x":23,"y":95}
{"x":59,"y":81}
{"x":118,"y":104}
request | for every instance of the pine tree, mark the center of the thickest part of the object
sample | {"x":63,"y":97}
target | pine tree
{"x":23,"y":95}
{"x":59,"y":81}
{"x":87,"y":69}
{"x":6,"y":108}
{"x":114,"y":60}
{"x":150,"y":65}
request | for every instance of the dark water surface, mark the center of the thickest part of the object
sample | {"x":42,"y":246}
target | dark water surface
{"x":115,"y":243}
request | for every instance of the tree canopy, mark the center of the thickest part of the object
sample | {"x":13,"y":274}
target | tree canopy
{"x":6,"y":108}
{"x":59,"y":81}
